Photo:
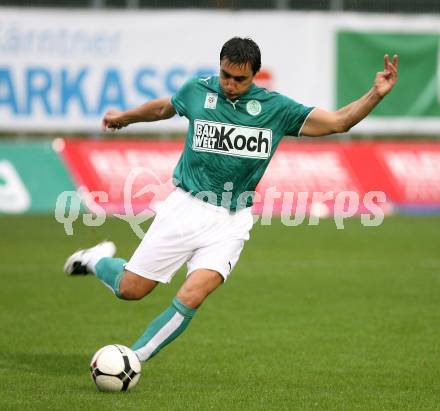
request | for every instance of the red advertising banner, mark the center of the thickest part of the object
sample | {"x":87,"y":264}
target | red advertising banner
{"x":133,"y":174}
{"x":315,"y":175}
{"x":305,"y":172}
{"x":414,"y":171}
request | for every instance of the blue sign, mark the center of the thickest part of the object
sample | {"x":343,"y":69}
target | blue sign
{"x":56,"y":91}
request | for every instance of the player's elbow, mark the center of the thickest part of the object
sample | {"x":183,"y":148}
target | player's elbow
{"x":341,"y":125}
{"x":342,"y":128}
{"x":165,"y":110}
{"x":166,"y":114}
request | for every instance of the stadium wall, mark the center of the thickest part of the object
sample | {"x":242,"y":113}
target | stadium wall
{"x":60,"y":70}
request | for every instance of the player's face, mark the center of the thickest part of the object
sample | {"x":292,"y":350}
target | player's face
{"x":235,"y":80}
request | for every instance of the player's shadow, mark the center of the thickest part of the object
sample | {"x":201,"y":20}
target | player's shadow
{"x":46,"y":364}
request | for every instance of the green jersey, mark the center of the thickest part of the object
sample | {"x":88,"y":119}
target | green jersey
{"x":229,"y":144}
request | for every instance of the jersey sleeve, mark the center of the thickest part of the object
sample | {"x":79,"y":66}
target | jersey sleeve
{"x":294,"y":116}
{"x":181,"y":100}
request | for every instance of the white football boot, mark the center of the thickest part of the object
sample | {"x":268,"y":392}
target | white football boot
{"x":83,"y":261}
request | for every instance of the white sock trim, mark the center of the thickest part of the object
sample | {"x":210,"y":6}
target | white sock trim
{"x":172,"y":325}
{"x":91,"y":264}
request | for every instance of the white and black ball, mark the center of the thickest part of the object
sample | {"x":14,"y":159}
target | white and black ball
{"x":115,"y":368}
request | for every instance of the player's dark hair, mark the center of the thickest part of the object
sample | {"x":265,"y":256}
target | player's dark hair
{"x":241,"y":51}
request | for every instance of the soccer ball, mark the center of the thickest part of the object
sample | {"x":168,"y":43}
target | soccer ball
{"x":115,"y":368}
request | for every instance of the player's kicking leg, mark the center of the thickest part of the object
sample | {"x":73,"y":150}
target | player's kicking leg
{"x":126,"y":285}
{"x":176,"y":236}
{"x":98,"y":260}
{"x":176,"y":318}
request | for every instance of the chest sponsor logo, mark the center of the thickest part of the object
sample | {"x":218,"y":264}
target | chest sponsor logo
{"x":211,"y":100}
{"x":232,"y":140}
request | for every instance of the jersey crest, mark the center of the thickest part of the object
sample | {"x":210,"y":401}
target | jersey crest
{"x":253,"y":107}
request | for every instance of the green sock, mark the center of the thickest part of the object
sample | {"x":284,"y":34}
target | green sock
{"x":164,"y":329}
{"x":109,"y":271}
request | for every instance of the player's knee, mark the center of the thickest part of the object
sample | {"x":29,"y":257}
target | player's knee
{"x":191,"y":297}
{"x":132,"y":289}
{"x":128,"y":291}
{"x":198,"y":286}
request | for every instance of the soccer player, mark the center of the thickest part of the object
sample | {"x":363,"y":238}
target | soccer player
{"x":234,"y":130}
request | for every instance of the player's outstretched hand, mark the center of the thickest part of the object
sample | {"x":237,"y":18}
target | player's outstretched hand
{"x":386,"y":79}
{"x":113,"y":120}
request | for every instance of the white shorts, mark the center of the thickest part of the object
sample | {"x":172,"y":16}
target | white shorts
{"x":188,"y":230}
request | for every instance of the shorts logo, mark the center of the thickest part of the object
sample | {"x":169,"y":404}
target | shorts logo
{"x":211,"y":100}
{"x":232,"y":140}
{"x":253,"y":107}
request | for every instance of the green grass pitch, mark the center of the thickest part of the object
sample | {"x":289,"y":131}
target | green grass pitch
{"x":312,"y":318}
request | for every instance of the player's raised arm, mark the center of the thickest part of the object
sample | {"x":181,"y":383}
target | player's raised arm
{"x":321,"y":122}
{"x":154,"y":110}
